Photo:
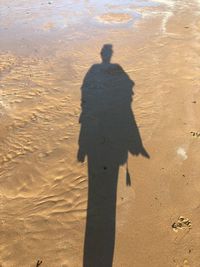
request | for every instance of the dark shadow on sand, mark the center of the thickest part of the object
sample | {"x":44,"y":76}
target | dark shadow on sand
{"x":108,"y":133}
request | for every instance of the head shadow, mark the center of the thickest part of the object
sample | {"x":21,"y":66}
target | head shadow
{"x":108,"y":134}
{"x":106,"y":53}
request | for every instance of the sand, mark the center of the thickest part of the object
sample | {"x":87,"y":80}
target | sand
{"x":71,"y":124}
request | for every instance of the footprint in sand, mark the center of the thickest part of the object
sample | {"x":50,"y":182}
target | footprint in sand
{"x":181,"y":224}
{"x":195,"y":134}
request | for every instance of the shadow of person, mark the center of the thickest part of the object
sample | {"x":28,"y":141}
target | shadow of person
{"x":108,"y":132}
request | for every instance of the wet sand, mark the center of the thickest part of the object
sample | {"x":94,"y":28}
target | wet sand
{"x":46,"y":49}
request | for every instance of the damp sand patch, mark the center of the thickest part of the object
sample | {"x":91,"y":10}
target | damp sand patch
{"x":114,"y":18}
{"x":48,"y":26}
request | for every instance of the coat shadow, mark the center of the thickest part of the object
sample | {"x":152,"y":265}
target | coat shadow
{"x":108,"y":133}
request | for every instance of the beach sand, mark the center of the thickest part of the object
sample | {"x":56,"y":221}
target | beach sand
{"x":49,"y":116}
